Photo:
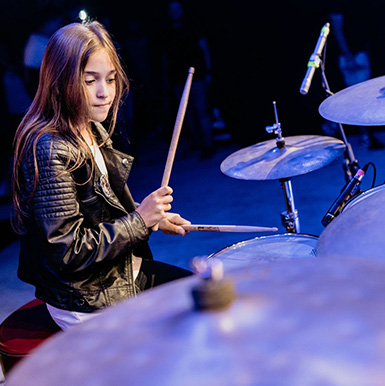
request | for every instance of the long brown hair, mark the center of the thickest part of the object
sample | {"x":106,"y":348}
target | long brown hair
{"x":60,"y":104}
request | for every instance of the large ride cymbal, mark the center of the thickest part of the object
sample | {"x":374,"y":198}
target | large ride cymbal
{"x":358,"y":231}
{"x":265,"y":161}
{"x":362,"y":104}
{"x":293,"y":322}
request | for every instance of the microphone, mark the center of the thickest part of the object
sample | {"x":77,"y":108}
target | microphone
{"x":315,"y":59}
{"x":347,"y":192}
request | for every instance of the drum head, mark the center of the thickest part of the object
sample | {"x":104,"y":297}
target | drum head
{"x":268,"y":248}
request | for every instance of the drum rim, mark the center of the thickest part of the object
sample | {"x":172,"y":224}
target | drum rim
{"x":366,"y":193}
{"x":248,"y":241}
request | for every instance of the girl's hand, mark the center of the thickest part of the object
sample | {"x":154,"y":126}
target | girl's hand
{"x":154,"y":207}
{"x":171,"y":224}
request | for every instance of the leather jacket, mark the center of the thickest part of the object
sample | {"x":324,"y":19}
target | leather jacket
{"x":81,"y":232}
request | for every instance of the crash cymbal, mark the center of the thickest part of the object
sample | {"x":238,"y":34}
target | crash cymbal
{"x":265,"y":161}
{"x":362,"y":104}
{"x":358,"y":231}
{"x":293,"y":322}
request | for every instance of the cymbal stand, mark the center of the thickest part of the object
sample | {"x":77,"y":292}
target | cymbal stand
{"x":289,"y":218}
{"x":350,"y":164}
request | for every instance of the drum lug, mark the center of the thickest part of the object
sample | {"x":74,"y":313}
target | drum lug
{"x":290,"y":221}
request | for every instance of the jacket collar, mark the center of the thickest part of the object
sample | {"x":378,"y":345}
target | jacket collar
{"x":102,"y":134}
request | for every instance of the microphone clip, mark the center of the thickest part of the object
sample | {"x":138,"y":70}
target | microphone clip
{"x":350,"y":190}
{"x":314,"y":61}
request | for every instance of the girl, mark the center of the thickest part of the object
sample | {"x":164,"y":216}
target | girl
{"x":83,"y":239}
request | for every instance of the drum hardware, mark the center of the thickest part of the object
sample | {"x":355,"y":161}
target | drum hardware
{"x":276,"y":129}
{"x":289,"y":218}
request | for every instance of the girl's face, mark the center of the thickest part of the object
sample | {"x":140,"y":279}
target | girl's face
{"x":99,"y":76}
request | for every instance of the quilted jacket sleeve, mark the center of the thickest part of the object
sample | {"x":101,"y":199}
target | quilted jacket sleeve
{"x":57,"y":222}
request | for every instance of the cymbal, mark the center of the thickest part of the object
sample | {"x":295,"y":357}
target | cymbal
{"x":357,"y":231}
{"x":265,"y":161}
{"x":291,"y":321}
{"x":362,"y":104}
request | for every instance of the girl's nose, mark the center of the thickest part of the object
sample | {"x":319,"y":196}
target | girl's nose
{"x":102,"y":91}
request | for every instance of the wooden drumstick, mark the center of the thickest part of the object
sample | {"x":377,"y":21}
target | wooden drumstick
{"x":177,"y":128}
{"x":176,"y":132}
{"x":227,"y":228}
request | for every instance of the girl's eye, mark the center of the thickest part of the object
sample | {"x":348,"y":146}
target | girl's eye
{"x":90,"y":81}
{"x":111,"y":80}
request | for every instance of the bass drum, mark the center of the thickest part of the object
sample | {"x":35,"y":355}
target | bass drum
{"x":363,"y":196}
{"x":268,"y":248}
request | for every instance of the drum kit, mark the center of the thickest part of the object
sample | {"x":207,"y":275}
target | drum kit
{"x":313,"y":315}
{"x":358,"y":229}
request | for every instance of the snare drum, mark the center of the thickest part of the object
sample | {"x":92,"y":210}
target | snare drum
{"x":268,"y":248}
{"x":362,"y":196}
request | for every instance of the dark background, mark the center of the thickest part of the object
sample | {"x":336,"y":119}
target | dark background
{"x":259,"y":53}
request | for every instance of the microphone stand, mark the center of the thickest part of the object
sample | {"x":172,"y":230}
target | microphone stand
{"x":350,"y":164}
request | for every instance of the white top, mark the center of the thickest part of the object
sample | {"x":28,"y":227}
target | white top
{"x":98,"y":157}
